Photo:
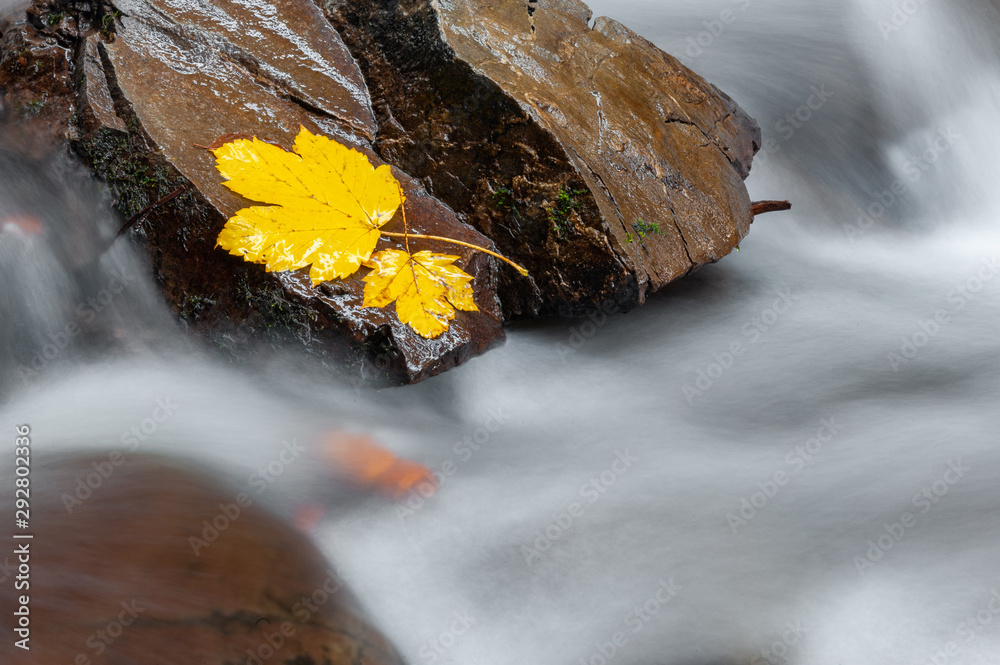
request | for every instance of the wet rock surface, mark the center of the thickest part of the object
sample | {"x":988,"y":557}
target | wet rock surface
{"x":589,"y":155}
{"x":158,"y":80}
{"x":117,"y":578}
{"x":188,"y":73}
{"x":36,"y":75}
{"x":586,"y":154}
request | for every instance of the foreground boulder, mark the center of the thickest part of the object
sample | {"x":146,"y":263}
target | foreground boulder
{"x":592,"y":157}
{"x":128,"y":570}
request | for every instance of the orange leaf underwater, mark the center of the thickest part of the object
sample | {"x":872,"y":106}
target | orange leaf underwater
{"x":369,"y":466}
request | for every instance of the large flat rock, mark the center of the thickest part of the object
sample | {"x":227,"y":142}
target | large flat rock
{"x":588,"y":154}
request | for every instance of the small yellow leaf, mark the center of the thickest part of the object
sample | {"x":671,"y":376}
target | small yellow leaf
{"x":327,"y":203}
{"x":427,"y":288}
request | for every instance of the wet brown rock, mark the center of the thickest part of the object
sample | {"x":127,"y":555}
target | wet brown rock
{"x":96,"y":107}
{"x":177,"y":76}
{"x":136,"y":90}
{"x":125,"y":575}
{"x":589,"y":155}
{"x":36,"y":76}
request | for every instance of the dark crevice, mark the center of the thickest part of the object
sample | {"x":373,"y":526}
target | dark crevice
{"x":683,"y":239}
{"x":673,"y":216}
{"x":607,"y":192}
{"x":600,"y":181}
{"x":721,"y":120}
{"x":310,"y":107}
{"x":711,"y":141}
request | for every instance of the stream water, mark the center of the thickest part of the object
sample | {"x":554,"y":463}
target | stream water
{"x":789,"y":457}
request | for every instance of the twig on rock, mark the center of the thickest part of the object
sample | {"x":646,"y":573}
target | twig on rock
{"x":134,"y":219}
{"x":760,"y":207}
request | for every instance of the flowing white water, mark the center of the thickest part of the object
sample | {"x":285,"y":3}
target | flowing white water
{"x":810,"y":426}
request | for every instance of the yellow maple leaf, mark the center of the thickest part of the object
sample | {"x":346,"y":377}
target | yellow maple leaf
{"x":426,"y":286}
{"x":327,"y":204}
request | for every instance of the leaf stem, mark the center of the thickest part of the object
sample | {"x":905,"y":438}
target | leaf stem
{"x":406,"y":230}
{"x":407,"y":236}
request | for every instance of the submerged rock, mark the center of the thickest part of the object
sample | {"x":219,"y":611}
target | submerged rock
{"x":141,"y":560}
{"x":589,"y":155}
